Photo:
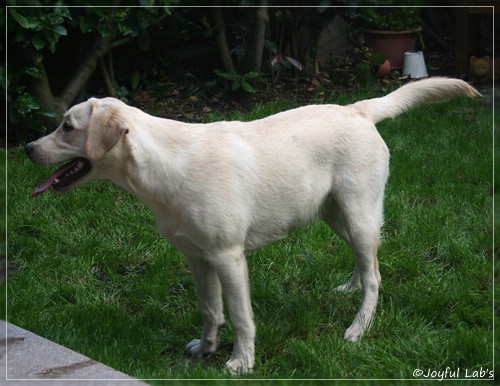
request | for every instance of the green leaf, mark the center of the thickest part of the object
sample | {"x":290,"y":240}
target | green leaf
{"x":143,"y":20}
{"x":226,"y":75}
{"x":55,"y":20}
{"x":38,"y":57}
{"x":85,"y":24}
{"x":126,"y":30}
{"x":105,"y":29}
{"x":22,"y":21}
{"x":205,"y":22}
{"x":58,"y":29}
{"x":35,"y":72}
{"x":100,"y":12}
{"x":251,"y":74}
{"x":25,"y":103}
{"x":50,"y":37}
{"x":247,"y":87}
{"x":271,"y":46}
{"x":64,"y":12}
{"x":38,"y":42}
{"x":235,"y":86}
{"x":378,"y":59}
{"x":20,"y":37}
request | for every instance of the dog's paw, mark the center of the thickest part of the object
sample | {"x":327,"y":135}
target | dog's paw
{"x":348,"y":287}
{"x":358,"y":327}
{"x":196,"y":348}
{"x":354,"y":333}
{"x":238,"y":366}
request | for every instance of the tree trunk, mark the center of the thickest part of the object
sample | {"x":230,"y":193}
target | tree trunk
{"x":43,"y":92}
{"x":101,"y":46}
{"x":221,"y":39}
{"x":41,"y":86}
{"x":107,"y":79}
{"x":259,"y":36}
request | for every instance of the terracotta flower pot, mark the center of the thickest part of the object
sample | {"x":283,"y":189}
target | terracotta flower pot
{"x":393,"y":44}
{"x":384,"y":69}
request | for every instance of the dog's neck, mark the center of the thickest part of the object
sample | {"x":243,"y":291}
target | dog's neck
{"x":153,"y":171}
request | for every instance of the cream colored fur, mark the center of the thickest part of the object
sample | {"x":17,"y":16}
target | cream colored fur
{"x":221,"y":189}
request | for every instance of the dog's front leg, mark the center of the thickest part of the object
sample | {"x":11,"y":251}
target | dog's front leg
{"x":231,"y":267}
{"x":209,"y":296}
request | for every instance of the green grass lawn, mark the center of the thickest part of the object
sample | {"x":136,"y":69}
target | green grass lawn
{"x":89,"y":270}
{"x":3,"y":224}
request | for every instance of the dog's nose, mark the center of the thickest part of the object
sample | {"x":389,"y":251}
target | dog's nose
{"x":28,"y":148}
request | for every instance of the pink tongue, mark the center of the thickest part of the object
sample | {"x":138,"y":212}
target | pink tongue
{"x":47,"y":184}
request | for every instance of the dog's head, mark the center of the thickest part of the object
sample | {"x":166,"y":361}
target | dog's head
{"x":85,"y":138}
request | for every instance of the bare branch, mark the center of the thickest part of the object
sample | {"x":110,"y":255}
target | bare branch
{"x":220,"y":37}
{"x":106,"y":78}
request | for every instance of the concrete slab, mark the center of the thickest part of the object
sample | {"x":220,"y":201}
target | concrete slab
{"x":27,"y":358}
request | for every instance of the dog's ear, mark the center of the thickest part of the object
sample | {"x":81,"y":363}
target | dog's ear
{"x":106,"y":128}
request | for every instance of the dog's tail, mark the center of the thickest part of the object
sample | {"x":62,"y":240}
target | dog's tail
{"x":430,"y":90}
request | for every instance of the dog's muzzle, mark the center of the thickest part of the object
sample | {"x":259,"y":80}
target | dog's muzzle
{"x":28,"y":148}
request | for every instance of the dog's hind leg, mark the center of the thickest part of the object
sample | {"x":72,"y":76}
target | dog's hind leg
{"x":334,"y":217}
{"x":209,"y":294}
{"x":353,"y":285}
{"x":363,"y":222}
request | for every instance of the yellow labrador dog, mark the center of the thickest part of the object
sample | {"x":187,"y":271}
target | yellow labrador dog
{"x":221,"y":189}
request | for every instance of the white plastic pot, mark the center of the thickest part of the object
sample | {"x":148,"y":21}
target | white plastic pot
{"x":414,"y":65}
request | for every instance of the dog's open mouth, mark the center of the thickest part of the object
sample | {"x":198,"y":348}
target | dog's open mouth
{"x":65,"y":175}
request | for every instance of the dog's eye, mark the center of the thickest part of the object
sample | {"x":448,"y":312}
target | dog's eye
{"x":67,"y":127}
